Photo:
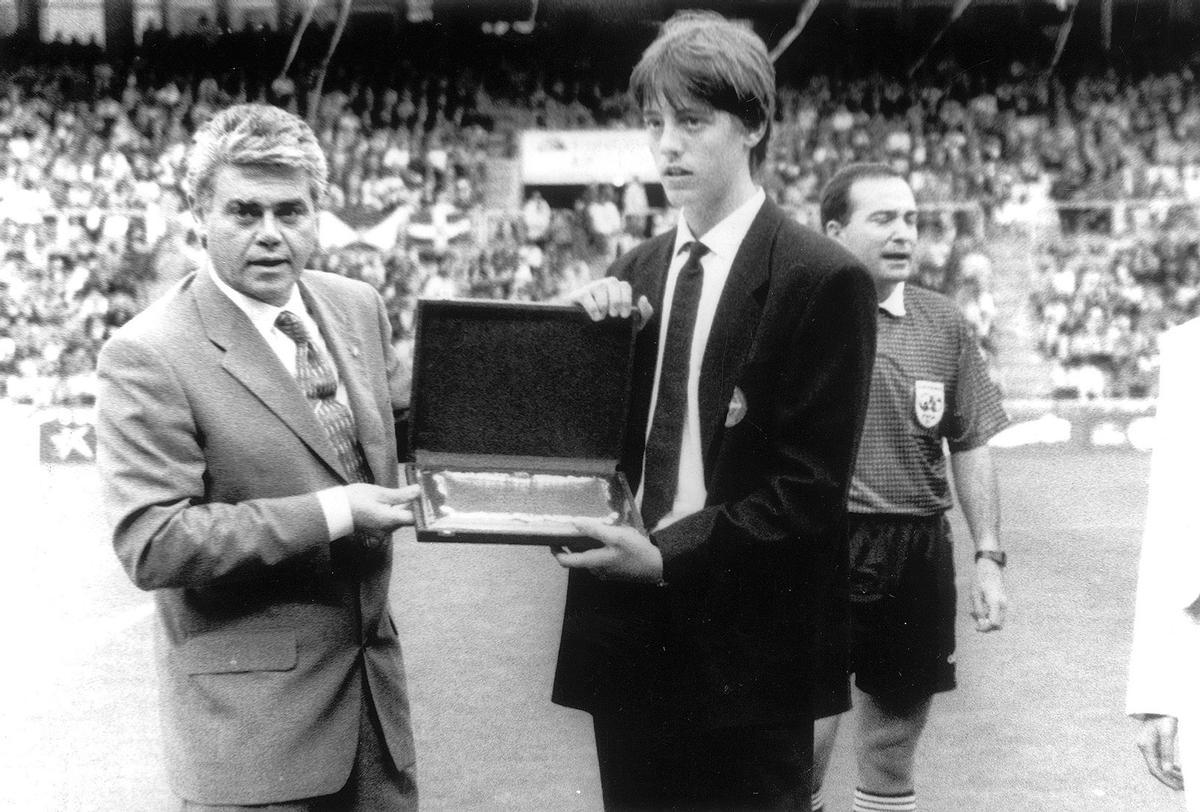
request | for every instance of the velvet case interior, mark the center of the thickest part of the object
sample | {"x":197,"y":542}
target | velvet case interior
{"x":517,"y":422}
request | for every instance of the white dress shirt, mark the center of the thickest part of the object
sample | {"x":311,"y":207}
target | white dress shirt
{"x":722,"y":241}
{"x":335,"y":504}
{"x":894,"y":303}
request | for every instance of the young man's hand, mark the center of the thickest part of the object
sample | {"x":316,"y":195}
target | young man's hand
{"x":610,"y":298}
{"x":627,"y":554}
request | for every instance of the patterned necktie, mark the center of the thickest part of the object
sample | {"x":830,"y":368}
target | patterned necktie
{"x":318,"y":381}
{"x":660,"y":474}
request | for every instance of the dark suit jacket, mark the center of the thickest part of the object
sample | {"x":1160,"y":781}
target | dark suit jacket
{"x":728,"y":641}
{"x":210,"y":456}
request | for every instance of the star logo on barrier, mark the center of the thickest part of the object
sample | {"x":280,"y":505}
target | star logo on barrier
{"x":72,"y":440}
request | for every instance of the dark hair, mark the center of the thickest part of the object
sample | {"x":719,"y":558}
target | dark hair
{"x":701,"y":55}
{"x":835,"y":197}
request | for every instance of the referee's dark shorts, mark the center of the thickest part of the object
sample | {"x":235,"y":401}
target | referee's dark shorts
{"x":902,"y":610}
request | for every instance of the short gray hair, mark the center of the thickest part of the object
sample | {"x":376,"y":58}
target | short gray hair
{"x":253,"y":135}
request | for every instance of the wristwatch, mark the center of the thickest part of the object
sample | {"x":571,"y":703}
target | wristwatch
{"x":999,"y":556}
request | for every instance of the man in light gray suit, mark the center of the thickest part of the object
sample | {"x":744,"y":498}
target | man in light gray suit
{"x":247,"y":454}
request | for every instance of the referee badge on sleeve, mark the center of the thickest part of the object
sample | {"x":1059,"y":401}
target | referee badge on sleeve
{"x":929,"y":402}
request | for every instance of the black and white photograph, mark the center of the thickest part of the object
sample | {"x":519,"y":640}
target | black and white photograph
{"x":572,"y":405}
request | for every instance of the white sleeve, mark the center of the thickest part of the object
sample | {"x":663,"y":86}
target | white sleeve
{"x":1166,"y":637}
{"x":335,"y":504}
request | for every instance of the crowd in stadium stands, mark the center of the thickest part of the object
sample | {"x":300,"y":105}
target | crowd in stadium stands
{"x":1102,"y":303}
{"x":91,"y":222}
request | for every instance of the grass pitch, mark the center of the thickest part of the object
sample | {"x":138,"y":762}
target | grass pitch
{"x":1036,"y":724}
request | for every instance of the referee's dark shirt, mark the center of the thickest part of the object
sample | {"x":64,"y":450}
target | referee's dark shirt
{"x":930,"y":382}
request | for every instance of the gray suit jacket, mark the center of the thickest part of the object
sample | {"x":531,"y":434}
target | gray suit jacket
{"x":210,"y":456}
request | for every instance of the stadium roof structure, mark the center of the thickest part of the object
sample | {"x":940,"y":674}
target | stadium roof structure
{"x":1107,"y":25}
{"x":1137,"y":34}
{"x":521,"y":9}
{"x":804,"y":34}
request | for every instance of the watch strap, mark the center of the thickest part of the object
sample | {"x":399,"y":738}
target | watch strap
{"x":999,"y":556}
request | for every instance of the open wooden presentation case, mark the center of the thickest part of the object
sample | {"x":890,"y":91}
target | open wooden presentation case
{"x":517,"y":421}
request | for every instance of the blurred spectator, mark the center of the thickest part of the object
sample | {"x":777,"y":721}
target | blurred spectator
{"x":440,"y":285}
{"x":1103,"y":302}
{"x":603,"y":220}
{"x":535,"y":215}
{"x":635,"y":206}
{"x":979,"y":309}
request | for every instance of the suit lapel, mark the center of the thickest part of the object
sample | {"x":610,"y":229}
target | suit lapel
{"x":652,"y":276}
{"x":254,"y":364}
{"x":648,"y":277}
{"x":734,"y":326}
{"x":344,"y":343}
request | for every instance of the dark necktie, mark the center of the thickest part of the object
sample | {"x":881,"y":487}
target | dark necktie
{"x":318,"y":381}
{"x":660,"y":474}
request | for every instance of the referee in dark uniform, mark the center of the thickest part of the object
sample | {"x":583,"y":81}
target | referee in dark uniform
{"x":930,"y":384}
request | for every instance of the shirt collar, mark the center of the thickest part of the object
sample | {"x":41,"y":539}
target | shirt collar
{"x":725,"y":237}
{"x":261,"y":314}
{"x":893,"y":305}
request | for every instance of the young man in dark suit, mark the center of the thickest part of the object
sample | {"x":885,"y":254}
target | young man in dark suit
{"x":248,"y":464}
{"x":691,"y":645}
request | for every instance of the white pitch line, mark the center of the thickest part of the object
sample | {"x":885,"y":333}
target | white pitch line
{"x":59,"y":664}
{"x":101,"y":630}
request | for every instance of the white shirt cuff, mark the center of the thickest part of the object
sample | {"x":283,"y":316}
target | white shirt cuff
{"x":336,"y":506}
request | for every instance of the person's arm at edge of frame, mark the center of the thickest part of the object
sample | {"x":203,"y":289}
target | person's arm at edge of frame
{"x":1157,"y":682}
{"x":1158,"y":739}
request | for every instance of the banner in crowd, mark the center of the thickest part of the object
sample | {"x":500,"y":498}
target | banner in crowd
{"x":67,"y":440}
{"x":582,"y":157}
{"x":437,"y":226}
{"x":334,"y":233}
{"x":45,"y":435}
{"x":433,"y":227}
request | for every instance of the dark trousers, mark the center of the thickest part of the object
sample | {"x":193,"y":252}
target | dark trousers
{"x":374,"y":785}
{"x":677,"y":767}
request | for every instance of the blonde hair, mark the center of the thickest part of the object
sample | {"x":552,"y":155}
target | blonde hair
{"x":253,"y":135}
